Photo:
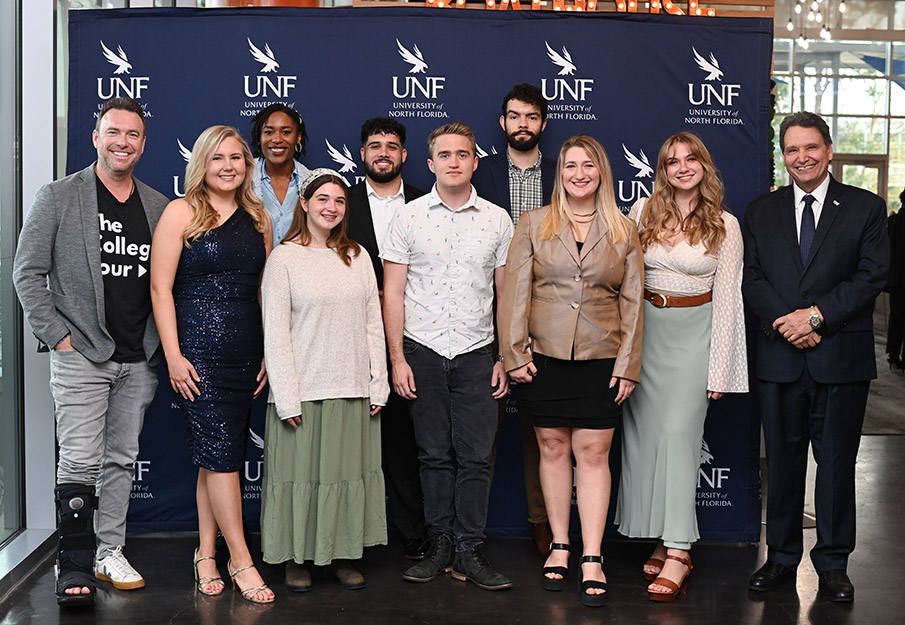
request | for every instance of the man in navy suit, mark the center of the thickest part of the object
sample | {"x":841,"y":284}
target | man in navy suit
{"x":372,"y":203}
{"x":519,"y":180}
{"x":816,"y":257}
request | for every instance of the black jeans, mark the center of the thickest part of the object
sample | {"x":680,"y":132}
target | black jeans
{"x":455,"y":417}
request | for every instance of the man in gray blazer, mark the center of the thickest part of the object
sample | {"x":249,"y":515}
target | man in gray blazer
{"x":81,"y":273}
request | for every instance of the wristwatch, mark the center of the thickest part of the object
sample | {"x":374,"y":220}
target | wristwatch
{"x":814,"y":319}
{"x":499,"y":358}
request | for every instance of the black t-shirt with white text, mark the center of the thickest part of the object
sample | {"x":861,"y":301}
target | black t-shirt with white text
{"x":125,"y":262}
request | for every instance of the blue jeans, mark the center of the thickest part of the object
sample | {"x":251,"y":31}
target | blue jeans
{"x":455,"y":418}
{"x":99,"y":410}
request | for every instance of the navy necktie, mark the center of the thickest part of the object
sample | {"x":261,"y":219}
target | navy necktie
{"x":806,"y":235}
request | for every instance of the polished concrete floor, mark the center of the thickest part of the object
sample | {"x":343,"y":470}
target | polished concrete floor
{"x":718,"y":593}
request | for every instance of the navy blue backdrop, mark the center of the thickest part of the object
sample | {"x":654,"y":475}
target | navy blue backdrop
{"x":630,"y":80}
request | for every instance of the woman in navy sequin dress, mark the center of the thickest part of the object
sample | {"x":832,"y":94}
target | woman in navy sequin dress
{"x":206,"y":261}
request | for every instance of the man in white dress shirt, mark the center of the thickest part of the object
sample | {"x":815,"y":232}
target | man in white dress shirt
{"x":372,"y":203}
{"x":443,"y":256}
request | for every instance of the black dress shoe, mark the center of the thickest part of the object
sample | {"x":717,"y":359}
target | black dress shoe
{"x":414,"y":549}
{"x":836,"y":586}
{"x":770,"y":576}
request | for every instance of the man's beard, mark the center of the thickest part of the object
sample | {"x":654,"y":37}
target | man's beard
{"x":381,"y":176}
{"x":522,"y":144}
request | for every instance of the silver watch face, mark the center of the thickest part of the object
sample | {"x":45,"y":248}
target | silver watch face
{"x":814,"y":320}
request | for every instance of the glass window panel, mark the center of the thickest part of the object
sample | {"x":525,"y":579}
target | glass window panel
{"x":897,"y":101}
{"x":866,"y":14}
{"x":898,"y":59}
{"x":896,"y":160}
{"x":782,"y":55}
{"x":861,"y":176}
{"x":780,"y":176}
{"x":847,"y":58}
{"x":814,"y":93}
{"x":847,"y":96}
{"x":862,"y":97}
{"x":859,"y":135}
{"x":782,"y":91}
{"x":898,"y":18}
{"x":10,"y":372}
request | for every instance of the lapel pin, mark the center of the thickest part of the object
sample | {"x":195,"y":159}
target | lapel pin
{"x":835,"y":202}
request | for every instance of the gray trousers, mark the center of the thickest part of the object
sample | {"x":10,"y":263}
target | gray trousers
{"x":99,"y":410}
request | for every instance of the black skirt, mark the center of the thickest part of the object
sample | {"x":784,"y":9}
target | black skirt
{"x":571,"y":394}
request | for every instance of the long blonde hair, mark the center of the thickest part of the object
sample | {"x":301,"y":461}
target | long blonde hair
{"x":560,"y":214}
{"x":204,"y":216}
{"x":662,"y":217}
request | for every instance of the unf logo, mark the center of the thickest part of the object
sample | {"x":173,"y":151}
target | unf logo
{"x":344,"y":158}
{"x":119,"y":85}
{"x":186,"y":154}
{"x":413,"y":86}
{"x":261,"y":85}
{"x":713,"y":477}
{"x":558,"y":89}
{"x":708,"y":93}
{"x":632,"y":190}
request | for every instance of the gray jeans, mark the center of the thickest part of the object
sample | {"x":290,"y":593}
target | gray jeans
{"x":99,"y":410}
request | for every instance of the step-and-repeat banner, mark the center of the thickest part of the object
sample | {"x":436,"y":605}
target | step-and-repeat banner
{"x":630,"y":80}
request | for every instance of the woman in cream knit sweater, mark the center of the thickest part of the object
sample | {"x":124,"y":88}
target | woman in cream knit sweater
{"x":323,"y":489}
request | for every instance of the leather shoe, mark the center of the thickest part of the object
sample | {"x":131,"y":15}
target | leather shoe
{"x":770,"y":576}
{"x":836,"y":586}
{"x":543,"y":536}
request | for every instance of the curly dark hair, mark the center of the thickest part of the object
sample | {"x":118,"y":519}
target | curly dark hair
{"x":257,"y":125}
{"x":527,"y":93}
{"x":382,"y":126}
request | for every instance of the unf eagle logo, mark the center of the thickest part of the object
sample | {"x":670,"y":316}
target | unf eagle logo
{"x":265,"y":58}
{"x":343,"y":158}
{"x":563,"y":61}
{"x":118,"y":58}
{"x":184,"y":152}
{"x":640,"y":163}
{"x":415,"y":59}
{"x":711,"y":65}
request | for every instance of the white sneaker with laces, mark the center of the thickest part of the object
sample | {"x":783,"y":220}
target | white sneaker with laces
{"x":116,"y":569}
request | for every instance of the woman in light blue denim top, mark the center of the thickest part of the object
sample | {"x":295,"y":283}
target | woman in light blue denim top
{"x":278,"y":139}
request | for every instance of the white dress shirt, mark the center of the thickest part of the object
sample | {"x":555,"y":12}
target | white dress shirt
{"x":451,"y":256}
{"x":382,"y":210}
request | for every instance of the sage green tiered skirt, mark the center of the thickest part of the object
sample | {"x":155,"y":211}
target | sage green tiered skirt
{"x":323,"y":490}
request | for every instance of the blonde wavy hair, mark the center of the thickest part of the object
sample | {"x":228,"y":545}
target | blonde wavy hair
{"x":662,"y":217}
{"x":204,"y":216}
{"x":560,"y":213}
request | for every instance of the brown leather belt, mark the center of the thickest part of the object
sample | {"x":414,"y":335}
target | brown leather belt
{"x":670,"y":301}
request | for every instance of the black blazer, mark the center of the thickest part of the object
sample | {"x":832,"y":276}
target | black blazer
{"x":360,"y":224}
{"x":491,"y":180}
{"x":843,"y":275}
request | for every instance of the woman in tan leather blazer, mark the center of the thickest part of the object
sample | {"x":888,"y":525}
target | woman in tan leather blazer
{"x":571,"y":338}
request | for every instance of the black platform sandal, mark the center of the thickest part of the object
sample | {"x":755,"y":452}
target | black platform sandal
{"x":552,"y":583}
{"x":592,"y":601}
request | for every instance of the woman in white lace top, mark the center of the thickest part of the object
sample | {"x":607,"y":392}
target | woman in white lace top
{"x":693,"y":352}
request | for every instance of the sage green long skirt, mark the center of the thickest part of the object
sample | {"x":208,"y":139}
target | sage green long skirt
{"x":663,"y":427}
{"x":323,"y":490}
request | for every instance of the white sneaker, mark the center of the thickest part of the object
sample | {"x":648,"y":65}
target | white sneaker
{"x":117,"y":570}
